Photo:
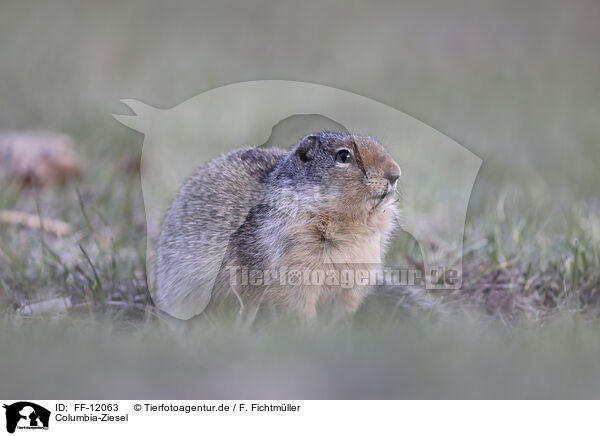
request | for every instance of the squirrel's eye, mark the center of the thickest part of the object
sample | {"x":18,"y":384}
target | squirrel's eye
{"x":343,"y":156}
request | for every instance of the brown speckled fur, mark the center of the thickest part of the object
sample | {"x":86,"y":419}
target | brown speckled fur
{"x":270,"y":209}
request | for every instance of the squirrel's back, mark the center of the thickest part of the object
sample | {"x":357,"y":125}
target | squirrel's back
{"x":206,"y":211}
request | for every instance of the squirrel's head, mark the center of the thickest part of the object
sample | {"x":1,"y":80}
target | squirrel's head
{"x":344,"y":171}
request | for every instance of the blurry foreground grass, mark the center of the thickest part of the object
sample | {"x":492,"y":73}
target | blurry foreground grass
{"x":412,"y":358}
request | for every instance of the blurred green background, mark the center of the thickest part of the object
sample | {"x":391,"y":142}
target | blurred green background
{"x":516,"y":82}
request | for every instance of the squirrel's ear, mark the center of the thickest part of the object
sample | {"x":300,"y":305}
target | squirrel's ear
{"x":306,"y":148}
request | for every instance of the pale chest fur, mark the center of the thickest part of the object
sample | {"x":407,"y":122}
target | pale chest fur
{"x":322,"y":245}
{"x":327,"y":240}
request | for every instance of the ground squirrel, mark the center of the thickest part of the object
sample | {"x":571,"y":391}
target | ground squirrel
{"x":323,"y":207}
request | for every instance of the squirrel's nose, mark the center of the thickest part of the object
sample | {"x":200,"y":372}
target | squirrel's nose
{"x":392,"y":176}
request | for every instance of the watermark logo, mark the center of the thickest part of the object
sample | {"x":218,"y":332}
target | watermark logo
{"x":346,"y":277}
{"x":24,"y":415}
{"x":437,"y":178}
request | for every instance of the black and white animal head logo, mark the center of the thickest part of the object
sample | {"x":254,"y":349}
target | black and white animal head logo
{"x":26,"y":415}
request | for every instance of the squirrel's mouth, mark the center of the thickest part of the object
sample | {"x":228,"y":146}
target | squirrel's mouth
{"x":381,"y":197}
